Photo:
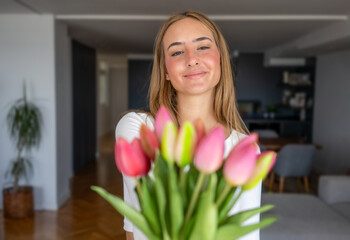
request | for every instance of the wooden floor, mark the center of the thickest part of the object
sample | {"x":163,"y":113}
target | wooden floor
{"x":85,"y":215}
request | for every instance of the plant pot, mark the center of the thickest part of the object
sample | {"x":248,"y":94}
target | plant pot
{"x":20,"y":204}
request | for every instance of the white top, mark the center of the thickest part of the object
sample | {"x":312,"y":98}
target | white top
{"x":128,"y":128}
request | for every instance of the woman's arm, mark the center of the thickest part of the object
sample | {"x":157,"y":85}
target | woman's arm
{"x":129,"y":236}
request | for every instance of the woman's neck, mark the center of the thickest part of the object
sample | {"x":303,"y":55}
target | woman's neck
{"x":191,"y":108}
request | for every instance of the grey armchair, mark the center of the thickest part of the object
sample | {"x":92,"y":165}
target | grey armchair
{"x":293,"y":160}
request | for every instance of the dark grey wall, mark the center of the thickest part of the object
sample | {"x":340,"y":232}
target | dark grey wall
{"x":139,"y":79}
{"x":254,"y":81}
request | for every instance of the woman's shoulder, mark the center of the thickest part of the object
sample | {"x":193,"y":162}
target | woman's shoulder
{"x":236,"y":136}
{"x":129,"y":125}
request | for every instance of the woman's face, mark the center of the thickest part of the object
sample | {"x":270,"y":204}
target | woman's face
{"x":192,"y":58}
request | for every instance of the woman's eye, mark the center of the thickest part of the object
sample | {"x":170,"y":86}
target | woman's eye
{"x":176,"y":53}
{"x":203,"y":48}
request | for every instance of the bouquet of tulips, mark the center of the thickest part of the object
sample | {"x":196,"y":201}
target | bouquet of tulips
{"x":185,"y":187}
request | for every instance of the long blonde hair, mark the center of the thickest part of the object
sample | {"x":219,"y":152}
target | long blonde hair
{"x":161,"y":92}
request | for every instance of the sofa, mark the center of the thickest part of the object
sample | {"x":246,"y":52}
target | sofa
{"x":309,"y":217}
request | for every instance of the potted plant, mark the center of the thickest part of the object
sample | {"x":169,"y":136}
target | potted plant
{"x":24,"y":122}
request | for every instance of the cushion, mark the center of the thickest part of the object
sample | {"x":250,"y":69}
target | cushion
{"x":303,"y":217}
{"x":343,"y":209}
{"x":334,"y":189}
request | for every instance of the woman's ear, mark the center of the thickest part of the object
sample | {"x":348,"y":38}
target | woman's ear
{"x":167,"y":76}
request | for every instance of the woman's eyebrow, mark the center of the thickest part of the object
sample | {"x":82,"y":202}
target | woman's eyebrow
{"x":202,"y":39}
{"x":195,"y":40}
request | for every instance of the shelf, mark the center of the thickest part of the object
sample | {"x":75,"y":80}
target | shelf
{"x":296,"y":85}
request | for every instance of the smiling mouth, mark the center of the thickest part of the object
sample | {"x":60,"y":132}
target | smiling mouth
{"x":195,"y":75}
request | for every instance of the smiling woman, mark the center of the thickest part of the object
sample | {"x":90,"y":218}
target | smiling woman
{"x":192,"y":78}
{"x":193,"y":60}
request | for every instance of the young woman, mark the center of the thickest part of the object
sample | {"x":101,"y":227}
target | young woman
{"x":192,"y":78}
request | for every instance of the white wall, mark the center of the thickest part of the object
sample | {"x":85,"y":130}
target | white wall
{"x":109,"y":112}
{"x":27,"y":47}
{"x":64,"y":112}
{"x":332,"y":112}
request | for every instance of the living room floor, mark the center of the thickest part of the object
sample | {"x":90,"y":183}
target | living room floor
{"x":86,"y":215}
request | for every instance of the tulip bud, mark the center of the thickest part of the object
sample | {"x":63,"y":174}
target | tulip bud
{"x":265,"y":162}
{"x":161,"y":119}
{"x":200,"y":130}
{"x":241,"y":161}
{"x":251,"y":138}
{"x":130,"y":158}
{"x":185,"y":144}
{"x":209,"y":154}
{"x":149,"y":141}
{"x":168,"y":142}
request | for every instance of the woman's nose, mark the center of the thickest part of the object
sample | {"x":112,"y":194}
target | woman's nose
{"x":192,"y":59}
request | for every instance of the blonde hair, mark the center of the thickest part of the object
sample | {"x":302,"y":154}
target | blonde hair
{"x":161,"y":92}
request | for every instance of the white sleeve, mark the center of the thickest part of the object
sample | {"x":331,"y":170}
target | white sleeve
{"x":249,"y":200}
{"x":128,"y":128}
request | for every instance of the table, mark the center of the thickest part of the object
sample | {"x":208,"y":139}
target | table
{"x":275,"y":144}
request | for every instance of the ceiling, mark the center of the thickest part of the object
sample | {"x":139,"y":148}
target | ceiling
{"x":278,"y":27}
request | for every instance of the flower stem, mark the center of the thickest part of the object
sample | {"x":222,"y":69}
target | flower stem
{"x":223,"y":194}
{"x":194,"y":197}
{"x":138,"y":187}
{"x":232,"y":204}
{"x":182,"y":178}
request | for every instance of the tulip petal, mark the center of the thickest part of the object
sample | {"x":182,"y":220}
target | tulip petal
{"x":251,"y":138}
{"x":149,"y":141}
{"x":240,"y":164}
{"x":209,"y":154}
{"x":161,"y":119}
{"x":264,"y":164}
{"x":185,"y":144}
{"x":130,"y":158}
{"x":168,"y":142}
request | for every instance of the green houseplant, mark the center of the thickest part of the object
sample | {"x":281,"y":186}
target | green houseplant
{"x":24,"y":121}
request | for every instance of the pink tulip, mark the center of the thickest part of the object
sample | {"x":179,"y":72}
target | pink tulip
{"x":200,"y":130}
{"x":168,"y":142}
{"x":251,"y":138}
{"x":130,"y":158}
{"x":241,"y":161}
{"x":185,"y":144}
{"x":149,"y":141}
{"x":265,"y":162}
{"x":161,"y":119}
{"x":209,"y":154}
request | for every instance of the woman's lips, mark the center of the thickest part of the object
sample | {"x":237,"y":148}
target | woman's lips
{"x":195,"y":74}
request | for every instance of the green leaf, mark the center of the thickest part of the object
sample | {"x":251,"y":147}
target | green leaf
{"x":125,"y":209}
{"x":161,"y":200}
{"x":206,"y":218}
{"x":176,"y":204}
{"x":240,"y":217}
{"x":161,"y":171}
{"x":148,"y":207}
{"x":234,"y":231}
{"x":220,"y":187}
{"x":192,"y":176}
{"x":160,"y":168}
{"x":226,"y":206}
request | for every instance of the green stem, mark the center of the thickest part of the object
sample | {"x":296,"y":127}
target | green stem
{"x":139,"y":188}
{"x":223,"y":194}
{"x":194,"y":197}
{"x":231,"y":206}
{"x":182,"y":178}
